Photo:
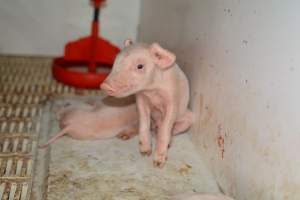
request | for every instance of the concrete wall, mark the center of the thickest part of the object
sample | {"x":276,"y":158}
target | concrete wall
{"x":42,"y":27}
{"x":242,"y":59}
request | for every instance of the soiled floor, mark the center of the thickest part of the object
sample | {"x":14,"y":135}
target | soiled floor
{"x":79,"y":170}
{"x":114,"y":169}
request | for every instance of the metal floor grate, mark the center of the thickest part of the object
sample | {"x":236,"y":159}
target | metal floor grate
{"x":25,"y":84}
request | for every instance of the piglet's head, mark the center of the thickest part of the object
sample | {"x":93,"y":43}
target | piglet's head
{"x":135,"y":68}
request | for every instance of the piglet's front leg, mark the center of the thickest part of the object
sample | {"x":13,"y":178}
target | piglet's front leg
{"x":144,"y":125}
{"x":164,"y":137}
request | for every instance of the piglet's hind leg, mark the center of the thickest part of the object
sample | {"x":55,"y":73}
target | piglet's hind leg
{"x":128,"y":133}
{"x":183,"y":123}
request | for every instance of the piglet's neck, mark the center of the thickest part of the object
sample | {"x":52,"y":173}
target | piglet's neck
{"x":160,"y":78}
{"x":164,"y":74}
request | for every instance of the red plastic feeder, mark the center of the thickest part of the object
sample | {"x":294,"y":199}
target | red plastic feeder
{"x":83,"y":59}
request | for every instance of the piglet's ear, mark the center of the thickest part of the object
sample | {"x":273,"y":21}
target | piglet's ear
{"x":127,"y":42}
{"x":162,"y":57}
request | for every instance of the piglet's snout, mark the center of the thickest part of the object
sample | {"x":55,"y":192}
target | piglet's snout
{"x":107,"y":88}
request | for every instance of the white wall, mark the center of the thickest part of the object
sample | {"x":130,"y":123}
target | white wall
{"x":242,"y":59}
{"x":42,"y":27}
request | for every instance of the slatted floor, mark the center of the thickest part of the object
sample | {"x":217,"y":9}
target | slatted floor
{"x":25,"y":85}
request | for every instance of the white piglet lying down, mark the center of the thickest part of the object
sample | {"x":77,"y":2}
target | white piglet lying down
{"x":87,"y":122}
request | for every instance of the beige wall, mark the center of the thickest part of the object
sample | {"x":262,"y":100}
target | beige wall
{"x":242,"y":59}
{"x":42,"y":27}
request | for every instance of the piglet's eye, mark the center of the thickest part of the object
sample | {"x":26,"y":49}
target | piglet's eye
{"x":140,"y":66}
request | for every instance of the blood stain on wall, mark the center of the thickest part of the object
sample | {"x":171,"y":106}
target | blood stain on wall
{"x":221,"y":141}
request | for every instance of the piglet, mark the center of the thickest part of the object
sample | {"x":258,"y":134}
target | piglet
{"x":161,"y":90}
{"x":87,"y":122}
{"x":201,"y":197}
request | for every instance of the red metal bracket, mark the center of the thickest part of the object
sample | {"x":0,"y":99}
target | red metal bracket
{"x":88,"y":53}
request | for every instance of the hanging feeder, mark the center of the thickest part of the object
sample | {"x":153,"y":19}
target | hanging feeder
{"x":87,"y":61}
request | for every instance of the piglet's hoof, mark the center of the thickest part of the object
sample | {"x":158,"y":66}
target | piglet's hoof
{"x":158,"y":164}
{"x":145,"y":150}
{"x":146,"y":153}
{"x":160,"y":161}
{"x":125,"y":135}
